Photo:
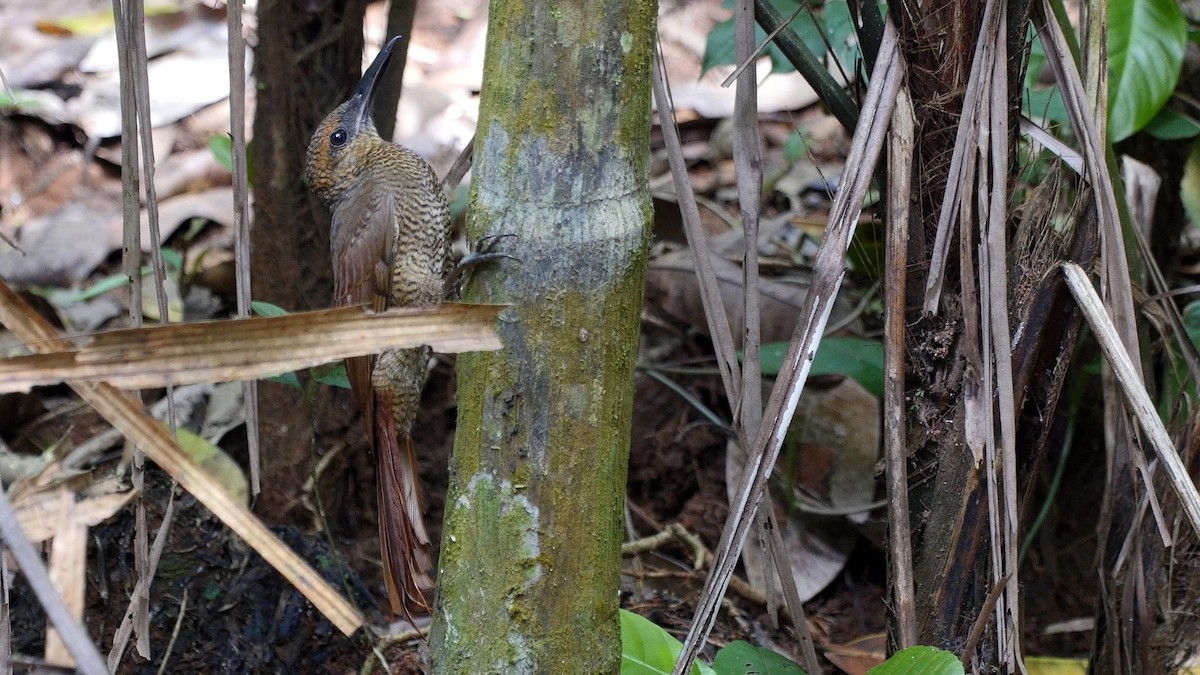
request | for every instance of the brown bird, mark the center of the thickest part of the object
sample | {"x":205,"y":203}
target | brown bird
{"x":390,"y":246}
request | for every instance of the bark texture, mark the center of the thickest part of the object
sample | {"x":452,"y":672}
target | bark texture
{"x":308,"y":58}
{"x":530,"y":557}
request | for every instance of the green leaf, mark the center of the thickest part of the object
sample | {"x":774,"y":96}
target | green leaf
{"x":796,"y":148}
{"x":172,"y":259}
{"x":459,"y":202}
{"x":1169,"y":125}
{"x":647,"y":649}
{"x":743,"y":658}
{"x":1191,"y":321}
{"x":1177,"y":378}
{"x":839,"y":28}
{"x":720,"y":48}
{"x":289,"y":379}
{"x":920,"y":661}
{"x":1045,"y":104}
{"x":18,"y":100}
{"x":263,"y":308}
{"x":858,"y":358}
{"x":221,"y":147}
{"x":332,"y":374}
{"x":65,"y":297}
{"x":1146,"y":41}
{"x":215,"y":463}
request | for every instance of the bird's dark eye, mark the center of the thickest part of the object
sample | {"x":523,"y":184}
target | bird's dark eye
{"x":338,"y":138}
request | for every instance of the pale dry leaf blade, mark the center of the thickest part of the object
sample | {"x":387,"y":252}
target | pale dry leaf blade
{"x":74,"y":635}
{"x":1069,"y":156}
{"x":1130,"y":380}
{"x":39,"y":512}
{"x":1087,"y":129}
{"x":129,"y":416}
{"x":747,"y":159}
{"x":238,"y":349}
{"x":68,"y":570}
{"x":1001,"y":339}
{"x":964,"y":144}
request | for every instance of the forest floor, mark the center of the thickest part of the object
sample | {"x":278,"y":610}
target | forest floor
{"x":217,"y":607}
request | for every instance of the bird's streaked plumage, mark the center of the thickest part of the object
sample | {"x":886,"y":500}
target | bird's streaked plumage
{"x":390,"y":245}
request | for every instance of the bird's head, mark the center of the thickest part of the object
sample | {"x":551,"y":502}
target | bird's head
{"x":332,"y":160}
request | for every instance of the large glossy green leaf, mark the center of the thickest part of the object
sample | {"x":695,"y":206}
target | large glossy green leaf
{"x":839,"y":28}
{"x":1146,"y":41}
{"x":719,"y":49}
{"x":1169,"y":125}
{"x":832,"y":17}
{"x":854,"y":357}
{"x":743,"y":658}
{"x":647,"y":649}
{"x":919,"y":661}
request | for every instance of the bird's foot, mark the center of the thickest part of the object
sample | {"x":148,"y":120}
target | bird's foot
{"x":485,"y":252}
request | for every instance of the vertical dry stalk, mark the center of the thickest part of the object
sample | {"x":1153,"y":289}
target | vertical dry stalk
{"x":241,"y":217}
{"x":829,"y":271}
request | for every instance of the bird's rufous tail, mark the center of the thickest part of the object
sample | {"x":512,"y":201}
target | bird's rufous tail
{"x":402,"y":536}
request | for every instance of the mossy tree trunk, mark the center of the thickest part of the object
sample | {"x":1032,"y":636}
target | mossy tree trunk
{"x":530,"y":559}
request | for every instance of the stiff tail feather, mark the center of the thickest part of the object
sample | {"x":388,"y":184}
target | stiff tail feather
{"x":402,"y":536}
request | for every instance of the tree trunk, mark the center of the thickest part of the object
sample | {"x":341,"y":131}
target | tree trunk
{"x":954,"y":560}
{"x":307,"y":61}
{"x":530,"y":558}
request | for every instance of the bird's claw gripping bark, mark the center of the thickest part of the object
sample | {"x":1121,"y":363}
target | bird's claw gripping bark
{"x":485,"y":252}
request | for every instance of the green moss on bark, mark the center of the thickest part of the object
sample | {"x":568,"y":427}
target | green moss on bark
{"x":511,"y":524}
{"x":562,"y":156}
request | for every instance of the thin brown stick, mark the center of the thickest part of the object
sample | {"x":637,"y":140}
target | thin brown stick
{"x":127,"y":52}
{"x":981,"y":621}
{"x":900,"y":165}
{"x":791,"y":594}
{"x":241,"y":218}
{"x":462,"y":164}
{"x":747,"y":158}
{"x":141,"y":590}
{"x":135,"y":16}
{"x":710,"y":293}
{"x":162,"y":667}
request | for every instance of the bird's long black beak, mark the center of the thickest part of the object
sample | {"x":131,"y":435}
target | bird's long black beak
{"x":363,"y":98}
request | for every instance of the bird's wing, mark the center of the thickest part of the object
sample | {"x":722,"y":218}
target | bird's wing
{"x":362,"y":236}
{"x":362,"y":245}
